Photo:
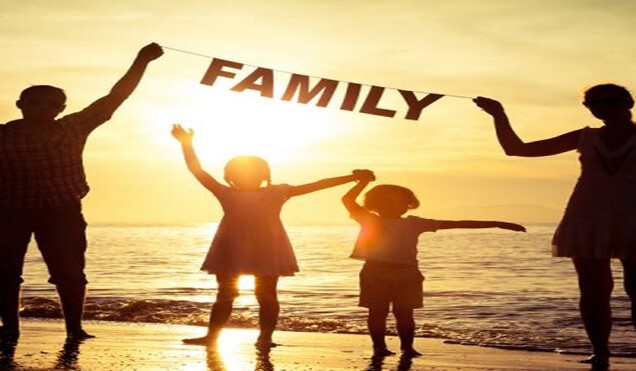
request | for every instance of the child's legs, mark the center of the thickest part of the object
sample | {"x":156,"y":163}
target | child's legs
{"x":376,"y":323}
{"x":405,"y":326}
{"x":408,"y":288}
{"x":375,"y":292}
{"x":269,"y":308}
{"x":227,"y":291}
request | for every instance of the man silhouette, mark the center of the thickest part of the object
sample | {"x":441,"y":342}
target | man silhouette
{"x":42,"y":182}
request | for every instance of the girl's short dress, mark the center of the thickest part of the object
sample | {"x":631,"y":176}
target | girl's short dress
{"x":251,"y":238}
{"x":600,"y":218}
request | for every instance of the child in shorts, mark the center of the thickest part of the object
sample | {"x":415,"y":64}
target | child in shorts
{"x":388,"y":244}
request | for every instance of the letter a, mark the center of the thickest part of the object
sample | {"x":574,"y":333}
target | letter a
{"x":267,"y":86}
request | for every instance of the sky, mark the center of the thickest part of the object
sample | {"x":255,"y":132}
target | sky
{"x":536,"y":57}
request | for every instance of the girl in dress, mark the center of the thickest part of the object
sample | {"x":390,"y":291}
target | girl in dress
{"x":600,"y":218}
{"x":250,"y":238}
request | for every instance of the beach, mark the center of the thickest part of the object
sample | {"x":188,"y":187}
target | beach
{"x":139,"y":346}
{"x":150,"y":274}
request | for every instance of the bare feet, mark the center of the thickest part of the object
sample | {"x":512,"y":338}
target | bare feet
{"x":204,"y":340}
{"x":382,"y":352}
{"x":598,"y":362}
{"x":264,"y":344}
{"x":78,"y":335}
{"x":411,"y":353}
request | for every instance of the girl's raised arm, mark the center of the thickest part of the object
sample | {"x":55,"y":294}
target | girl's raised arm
{"x":330,"y":182}
{"x":514,"y":146}
{"x":192,"y":160}
{"x":349,"y":199}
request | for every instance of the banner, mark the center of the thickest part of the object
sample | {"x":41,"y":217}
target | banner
{"x":300,"y":89}
{"x":345,"y":95}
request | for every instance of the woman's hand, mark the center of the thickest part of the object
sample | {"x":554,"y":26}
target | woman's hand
{"x":491,"y":106}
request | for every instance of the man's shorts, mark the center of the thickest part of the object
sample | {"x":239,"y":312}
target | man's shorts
{"x":384,"y":283}
{"x":60,"y":234}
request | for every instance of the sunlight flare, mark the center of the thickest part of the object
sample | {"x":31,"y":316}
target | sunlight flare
{"x":229,"y":125}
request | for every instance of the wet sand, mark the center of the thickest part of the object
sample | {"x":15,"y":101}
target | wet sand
{"x":135,"y":346}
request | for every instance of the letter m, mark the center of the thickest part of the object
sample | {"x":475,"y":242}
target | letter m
{"x":300,"y":83}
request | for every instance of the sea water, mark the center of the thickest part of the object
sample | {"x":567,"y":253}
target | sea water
{"x":485,"y":287}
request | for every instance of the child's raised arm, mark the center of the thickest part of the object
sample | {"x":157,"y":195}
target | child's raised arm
{"x":192,"y":161}
{"x":349,"y":199}
{"x":452,"y":224}
{"x":356,"y":175}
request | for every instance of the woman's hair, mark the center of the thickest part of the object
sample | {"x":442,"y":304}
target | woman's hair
{"x":620,"y":91}
{"x":247,"y":165}
{"x":381,"y":194}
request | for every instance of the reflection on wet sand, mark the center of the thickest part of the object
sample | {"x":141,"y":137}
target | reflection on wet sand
{"x":377,"y":363}
{"x":69,"y":354}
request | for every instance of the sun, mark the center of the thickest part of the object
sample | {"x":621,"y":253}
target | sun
{"x":229,"y":124}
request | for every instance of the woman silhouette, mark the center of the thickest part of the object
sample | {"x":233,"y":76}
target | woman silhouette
{"x":599,"y":222}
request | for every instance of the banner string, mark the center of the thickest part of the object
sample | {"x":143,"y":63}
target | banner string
{"x":317,"y":77}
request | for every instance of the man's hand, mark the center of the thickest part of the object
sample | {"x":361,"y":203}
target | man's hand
{"x":150,"y":52}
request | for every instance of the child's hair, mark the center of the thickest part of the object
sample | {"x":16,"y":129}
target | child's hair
{"x":619,"y":90}
{"x":377,"y":196}
{"x":247,"y":165}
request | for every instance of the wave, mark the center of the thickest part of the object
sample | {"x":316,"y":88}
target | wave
{"x":179,"y":312}
{"x":505,"y":336}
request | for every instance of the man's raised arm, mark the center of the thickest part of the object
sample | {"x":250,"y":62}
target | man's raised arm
{"x":128,"y":83}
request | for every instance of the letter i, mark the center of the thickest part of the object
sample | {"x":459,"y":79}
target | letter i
{"x":351,"y":97}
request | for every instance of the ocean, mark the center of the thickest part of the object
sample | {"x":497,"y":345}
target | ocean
{"x":483,"y":287}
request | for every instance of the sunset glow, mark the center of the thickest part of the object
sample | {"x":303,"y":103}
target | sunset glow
{"x":534,"y":57}
{"x":317,"y":185}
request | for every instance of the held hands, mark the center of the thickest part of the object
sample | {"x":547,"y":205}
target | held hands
{"x":491,"y":106}
{"x":182,"y":135}
{"x":150,"y":52}
{"x":363,"y":176}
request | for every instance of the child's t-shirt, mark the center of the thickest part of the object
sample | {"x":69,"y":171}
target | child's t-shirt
{"x":390,"y":240}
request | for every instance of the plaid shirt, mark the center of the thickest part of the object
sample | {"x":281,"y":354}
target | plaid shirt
{"x":41,"y":165}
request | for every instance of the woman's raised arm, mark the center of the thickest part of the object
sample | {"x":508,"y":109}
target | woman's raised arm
{"x":514,"y":146}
